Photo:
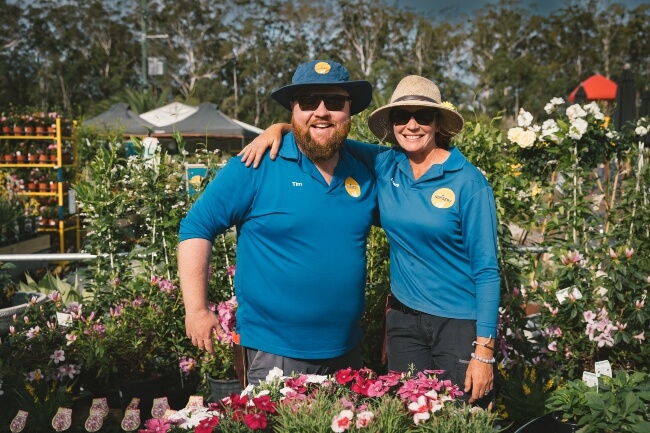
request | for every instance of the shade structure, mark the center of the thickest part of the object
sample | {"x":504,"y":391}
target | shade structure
{"x":169,"y":114}
{"x":120,"y":117}
{"x":597,"y":88}
{"x":625,"y":109}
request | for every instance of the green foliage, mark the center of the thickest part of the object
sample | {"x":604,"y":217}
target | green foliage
{"x":37,"y":369}
{"x":50,"y":283}
{"x":618,"y":404}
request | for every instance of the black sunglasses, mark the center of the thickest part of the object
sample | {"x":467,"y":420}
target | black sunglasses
{"x":425,"y":116}
{"x":332,"y":102}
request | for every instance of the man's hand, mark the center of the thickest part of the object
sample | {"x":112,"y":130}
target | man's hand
{"x":199,"y":326}
{"x":253,"y":152}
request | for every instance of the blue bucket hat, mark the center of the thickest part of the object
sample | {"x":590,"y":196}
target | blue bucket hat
{"x":326,"y":73}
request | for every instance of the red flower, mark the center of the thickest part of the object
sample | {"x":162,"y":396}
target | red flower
{"x":361,"y":385}
{"x":207,"y":425}
{"x":346,"y":375}
{"x":256,"y":420}
{"x":265,"y":404}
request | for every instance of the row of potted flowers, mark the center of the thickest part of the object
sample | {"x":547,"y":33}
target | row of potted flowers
{"x":32,"y":123}
{"x":33,"y":153}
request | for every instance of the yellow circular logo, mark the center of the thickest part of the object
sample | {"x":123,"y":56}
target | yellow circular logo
{"x":352,"y":187}
{"x":322,"y":67}
{"x":443,"y":198}
{"x":195,"y":181}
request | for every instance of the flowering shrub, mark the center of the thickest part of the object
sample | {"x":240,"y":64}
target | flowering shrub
{"x":38,"y":369}
{"x":221,"y":364}
{"x":591,"y":283}
{"x":350,"y":400}
{"x":140,"y":336}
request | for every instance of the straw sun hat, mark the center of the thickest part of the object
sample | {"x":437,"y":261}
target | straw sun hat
{"x":415,"y":91}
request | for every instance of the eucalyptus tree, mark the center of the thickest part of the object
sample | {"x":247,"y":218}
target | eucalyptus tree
{"x":193,"y":48}
{"x":500,"y":42}
{"x":15,"y":72}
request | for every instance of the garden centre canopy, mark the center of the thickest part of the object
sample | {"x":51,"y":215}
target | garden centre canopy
{"x":119,"y":116}
{"x":169,"y":114}
{"x":597,"y":87}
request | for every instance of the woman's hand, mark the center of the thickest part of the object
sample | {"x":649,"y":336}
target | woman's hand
{"x":253,"y":152}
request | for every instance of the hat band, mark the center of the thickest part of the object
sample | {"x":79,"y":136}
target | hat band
{"x":415,"y":98}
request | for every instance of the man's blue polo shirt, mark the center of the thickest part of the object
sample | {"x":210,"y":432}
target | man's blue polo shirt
{"x":301,"y":249}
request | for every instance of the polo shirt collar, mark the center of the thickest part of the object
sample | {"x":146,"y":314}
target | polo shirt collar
{"x":290,"y":150}
{"x":455,"y":162}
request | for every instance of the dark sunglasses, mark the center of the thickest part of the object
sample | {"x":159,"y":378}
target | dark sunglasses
{"x":425,"y":116}
{"x":332,"y":102}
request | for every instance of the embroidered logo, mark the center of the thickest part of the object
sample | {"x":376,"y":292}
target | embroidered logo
{"x":352,"y":187}
{"x":395,"y":184}
{"x":322,"y":67}
{"x":443,"y":198}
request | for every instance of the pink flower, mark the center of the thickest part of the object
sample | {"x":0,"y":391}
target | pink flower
{"x":640,"y":336}
{"x":629,"y":252}
{"x":639,"y":304}
{"x":156,"y":425}
{"x":552,"y":346}
{"x":613,"y":254}
{"x":364,"y":419}
{"x":33,"y":332}
{"x":571,"y":258}
{"x":58,"y":356}
{"x":230,"y":270}
{"x":342,"y":421}
{"x":420,"y":409}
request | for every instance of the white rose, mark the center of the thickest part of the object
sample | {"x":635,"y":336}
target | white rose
{"x":525,"y":118}
{"x":526,"y":139}
{"x":514,"y":133}
{"x":575,"y":111}
{"x":641,"y":130}
{"x":578,"y":128}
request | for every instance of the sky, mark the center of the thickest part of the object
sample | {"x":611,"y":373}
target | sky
{"x":459,"y":8}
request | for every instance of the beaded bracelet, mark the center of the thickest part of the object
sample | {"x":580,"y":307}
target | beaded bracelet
{"x":484,"y":360}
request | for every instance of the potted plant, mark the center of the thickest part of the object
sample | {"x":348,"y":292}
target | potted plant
{"x":219,"y":368}
{"x":618,"y":404}
{"x":136,"y":341}
{"x":37,"y":369}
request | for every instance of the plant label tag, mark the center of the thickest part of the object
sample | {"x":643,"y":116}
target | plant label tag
{"x":64,"y":319}
{"x":603,"y":368}
{"x":563,"y":294}
{"x":589,"y":378}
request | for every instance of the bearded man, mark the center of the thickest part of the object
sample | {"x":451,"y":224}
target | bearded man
{"x":302,"y":223}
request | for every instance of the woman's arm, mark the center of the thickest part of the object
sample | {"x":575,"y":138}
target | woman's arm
{"x":253,"y":152}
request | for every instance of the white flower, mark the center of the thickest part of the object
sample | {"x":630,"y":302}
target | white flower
{"x":578,"y":128}
{"x":514,"y":133}
{"x":594,"y":109}
{"x":342,"y":421}
{"x":525,"y":118}
{"x":527,"y":139}
{"x":550,"y":107}
{"x":549,"y":128}
{"x":641,"y":131}
{"x":276,"y":373}
{"x":364,"y":419}
{"x":523,"y":138}
{"x":575,"y":112}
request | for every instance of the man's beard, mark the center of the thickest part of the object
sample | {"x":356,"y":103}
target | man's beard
{"x":316,"y":151}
